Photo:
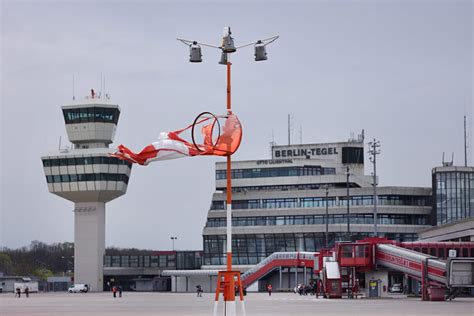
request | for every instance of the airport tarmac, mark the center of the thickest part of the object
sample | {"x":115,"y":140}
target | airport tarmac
{"x":133,"y":303}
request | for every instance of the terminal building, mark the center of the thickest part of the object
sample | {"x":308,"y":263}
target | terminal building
{"x":279,"y":204}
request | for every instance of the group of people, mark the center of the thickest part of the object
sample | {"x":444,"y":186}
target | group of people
{"x":315,"y":287}
{"x":18,"y":292}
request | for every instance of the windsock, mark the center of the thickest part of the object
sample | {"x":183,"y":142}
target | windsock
{"x":171,"y":146}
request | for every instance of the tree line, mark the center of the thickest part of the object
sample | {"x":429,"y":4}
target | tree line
{"x":43,"y":260}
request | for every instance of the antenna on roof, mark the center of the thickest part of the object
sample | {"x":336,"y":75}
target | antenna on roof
{"x":73,"y":94}
{"x":448,"y":163}
{"x":361,"y":136}
{"x":101,"y":85}
{"x":465,"y":142}
{"x":301,"y":135}
{"x":289,"y":128}
{"x":272,"y":143}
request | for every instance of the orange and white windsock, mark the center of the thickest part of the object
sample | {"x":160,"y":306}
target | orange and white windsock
{"x":171,"y":146}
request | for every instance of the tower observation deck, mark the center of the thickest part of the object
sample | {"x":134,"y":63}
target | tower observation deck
{"x":89,"y":177}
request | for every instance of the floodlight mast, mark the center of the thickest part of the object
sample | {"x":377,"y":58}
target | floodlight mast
{"x":374,"y":151}
{"x":227,"y":279}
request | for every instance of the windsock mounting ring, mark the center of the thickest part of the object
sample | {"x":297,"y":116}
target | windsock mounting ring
{"x":201,"y":118}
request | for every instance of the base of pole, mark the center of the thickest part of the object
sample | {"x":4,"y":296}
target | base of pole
{"x":228,"y":283}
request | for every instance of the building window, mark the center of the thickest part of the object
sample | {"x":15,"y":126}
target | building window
{"x":275,"y":172}
{"x":133,"y":261}
{"x":154,"y":263}
{"x":79,"y":161}
{"x":454,"y":193}
{"x":115,"y":261}
{"x":87,"y":177}
{"x":91,"y":114}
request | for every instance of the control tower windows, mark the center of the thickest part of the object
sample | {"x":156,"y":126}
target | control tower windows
{"x":84,"y":161}
{"x":87,"y":177}
{"x":91,"y":115}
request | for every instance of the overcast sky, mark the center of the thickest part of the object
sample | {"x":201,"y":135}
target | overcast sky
{"x":401,"y":70}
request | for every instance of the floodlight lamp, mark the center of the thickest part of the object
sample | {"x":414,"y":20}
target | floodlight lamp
{"x":224,"y":59}
{"x":260,"y":51}
{"x":228,"y":44}
{"x":195,"y":55}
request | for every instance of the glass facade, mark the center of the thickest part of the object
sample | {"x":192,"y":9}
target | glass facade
{"x":251,"y":249}
{"x":311,"y":202}
{"x":454,"y":192}
{"x":287,"y":187}
{"x":91,"y":115}
{"x":275,"y":172}
{"x":78,"y":161}
{"x":383,"y":219}
{"x":181,"y":260}
{"x":80,"y":177}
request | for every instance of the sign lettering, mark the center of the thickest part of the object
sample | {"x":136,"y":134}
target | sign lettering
{"x":274,"y":162}
{"x":305,"y":153}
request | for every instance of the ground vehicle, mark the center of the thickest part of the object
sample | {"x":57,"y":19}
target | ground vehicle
{"x":84,"y":288}
{"x":396,"y":288}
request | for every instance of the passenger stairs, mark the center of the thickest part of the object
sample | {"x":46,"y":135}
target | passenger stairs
{"x":435,"y":274}
{"x":453,"y":272}
{"x":276,"y":260}
{"x":411,"y":262}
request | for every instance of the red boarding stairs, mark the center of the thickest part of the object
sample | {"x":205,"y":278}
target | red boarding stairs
{"x":276,"y":260}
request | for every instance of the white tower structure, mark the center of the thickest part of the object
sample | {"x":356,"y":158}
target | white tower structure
{"x":86,"y":175}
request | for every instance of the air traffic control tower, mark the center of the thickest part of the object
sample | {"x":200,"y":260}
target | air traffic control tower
{"x":89,"y":177}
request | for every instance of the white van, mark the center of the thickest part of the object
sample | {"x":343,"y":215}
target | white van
{"x":76,"y":288}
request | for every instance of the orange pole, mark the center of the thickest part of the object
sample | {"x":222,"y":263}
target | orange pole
{"x":229,"y":215}
{"x":229,"y":184}
{"x":228,"y":87}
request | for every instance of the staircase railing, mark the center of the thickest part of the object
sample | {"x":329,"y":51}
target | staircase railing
{"x":278,"y":256}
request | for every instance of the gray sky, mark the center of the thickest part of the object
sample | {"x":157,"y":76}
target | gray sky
{"x":403,"y":70}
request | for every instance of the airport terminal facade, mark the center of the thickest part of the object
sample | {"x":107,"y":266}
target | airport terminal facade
{"x":282,"y":204}
{"x":279,"y":204}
